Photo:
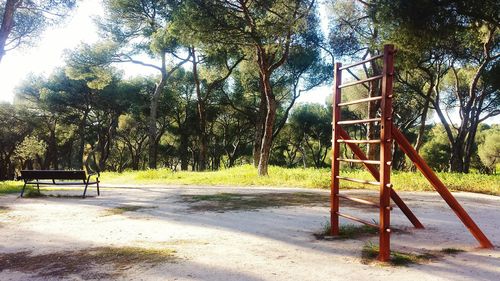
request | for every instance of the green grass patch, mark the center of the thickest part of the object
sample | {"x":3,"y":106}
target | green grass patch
{"x":128,"y":208}
{"x":451,"y":251}
{"x":370,"y":251}
{"x":246,"y":175}
{"x":4,"y":209}
{"x":8,"y":187}
{"x":126,"y":256}
{"x":93,"y":263}
{"x":221,"y":202}
{"x":33,"y":193}
{"x":347,"y":231}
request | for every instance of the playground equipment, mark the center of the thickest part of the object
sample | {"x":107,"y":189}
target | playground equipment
{"x":382,"y":175}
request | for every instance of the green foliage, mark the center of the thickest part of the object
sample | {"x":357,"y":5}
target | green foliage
{"x":25,"y":21}
{"x":436,"y":151}
{"x":311,"y":124}
{"x":15,"y":124}
{"x":30,"y":148}
{"x":489,"y":150}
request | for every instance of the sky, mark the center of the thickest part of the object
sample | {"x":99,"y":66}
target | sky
{"x":48,"y":53}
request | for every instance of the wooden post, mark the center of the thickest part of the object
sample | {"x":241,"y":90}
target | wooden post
{"x":441,"y":188}
{"x":386,"y":153}
{"x":334,"y":199}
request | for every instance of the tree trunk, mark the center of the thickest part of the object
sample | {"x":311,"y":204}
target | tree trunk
{"x":183,"y":151}
{"x":51,"y":156}
{"x":153,"y":116}
{"x":202,"y":117}
{"x":3,"y":168}
{"x":267,"y":138}
{"x":259,"y":130}
{"x":81,"y":132}
{"x":7,"y":23}
{"x":423,"y":119}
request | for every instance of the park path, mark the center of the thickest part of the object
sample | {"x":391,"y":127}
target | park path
{"x":264,"y":244}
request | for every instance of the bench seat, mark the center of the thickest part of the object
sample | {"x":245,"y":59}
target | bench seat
{"x":35,"y":177}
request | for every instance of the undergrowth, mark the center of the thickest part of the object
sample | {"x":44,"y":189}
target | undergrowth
{"x":370,"y":253}
{"x":246,"y":175}
{"x":347,"y":231}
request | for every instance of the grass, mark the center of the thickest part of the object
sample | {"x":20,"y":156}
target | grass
{"x":451,"y":251}
{"x":8,"y":187}
{"x":85,"y":263}
{"x":221,"y":202}
{"x":4,"y":209}
{"x":370,"y":251}
{"x":246,"y":175}
{"x":348,"y":231}
{"x":129,"y":208}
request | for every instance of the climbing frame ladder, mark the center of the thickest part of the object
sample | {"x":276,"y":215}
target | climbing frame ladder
{"x":382,"y":174}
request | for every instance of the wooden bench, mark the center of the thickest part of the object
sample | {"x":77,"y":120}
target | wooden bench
{"x":34,"y":177}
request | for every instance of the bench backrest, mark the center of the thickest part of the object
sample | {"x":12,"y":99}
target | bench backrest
{"x":53,"y":174}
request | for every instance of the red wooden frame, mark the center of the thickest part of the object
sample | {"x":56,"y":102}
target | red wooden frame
{"x":388,"y":134}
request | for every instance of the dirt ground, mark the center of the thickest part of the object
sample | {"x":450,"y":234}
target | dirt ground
{"x":221,"y":233}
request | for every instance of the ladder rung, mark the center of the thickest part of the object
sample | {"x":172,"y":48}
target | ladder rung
{"x":350,"y":122}
{"x":358,"y":141}
{"x":359,"y":101}
{"x":362,"y":201}
{"x":358,"y":180}
{"x":361,"y":62}
{"x":358,"y":220}
{"x":375,"y":162}
{"x":359,"y":200}
{"x":360,"y":81}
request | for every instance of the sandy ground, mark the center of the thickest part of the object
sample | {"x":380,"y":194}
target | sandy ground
{"x":267,"y":244}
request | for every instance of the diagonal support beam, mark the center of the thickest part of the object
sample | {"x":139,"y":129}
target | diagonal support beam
{"x":375,"y":172}
{"x":440,"y":188}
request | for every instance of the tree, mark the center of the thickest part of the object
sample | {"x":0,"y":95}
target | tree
{"x":143,"y":27}
{"x":22,"y":21}
{"x":218,"y":68}
{"x":489,"y":149}
{"x":15,"y":125}
{"x":312,"y":123}
{"x":354,"y":34}
{"x":29,"y":150}
{"x":464,"y":38}
{"x":437,"y":150}
{"x":264,"y":30}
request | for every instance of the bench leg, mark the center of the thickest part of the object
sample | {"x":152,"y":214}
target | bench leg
{"x":98,"y":193}
{"x":85,"y":190}
{"x":22,"y":190}
{"x":38,"y":186}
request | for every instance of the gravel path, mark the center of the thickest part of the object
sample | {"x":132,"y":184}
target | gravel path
{"x":263,"y":244}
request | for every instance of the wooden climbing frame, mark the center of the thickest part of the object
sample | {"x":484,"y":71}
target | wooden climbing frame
{"x":382,"y":175}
